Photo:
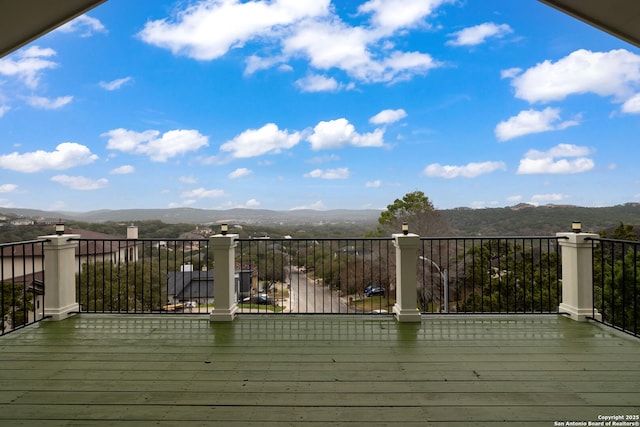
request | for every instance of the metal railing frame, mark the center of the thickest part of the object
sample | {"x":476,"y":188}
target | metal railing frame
{"x":616,"y":283}
{"x":331,"y":266}
{"x":490,"y":272}
{"x":19,"y":304}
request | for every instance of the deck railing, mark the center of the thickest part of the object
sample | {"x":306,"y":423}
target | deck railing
{"x":144,"y":275}
{"x":320,"y":276}
{"x":22,"y":284}
{"x":315,"y":276}
{"x":344,"y":276}
{"x":616,"y":284}
{"x":517,"y":275}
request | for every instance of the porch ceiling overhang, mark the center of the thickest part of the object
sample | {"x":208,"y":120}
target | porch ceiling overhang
{"x":620,"y":18}
{"x":22,"y":21}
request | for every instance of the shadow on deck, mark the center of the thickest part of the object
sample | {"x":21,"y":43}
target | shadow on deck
{"x":316,"y":370}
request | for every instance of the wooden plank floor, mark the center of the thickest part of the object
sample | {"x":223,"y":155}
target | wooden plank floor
{"x":316,"y":370}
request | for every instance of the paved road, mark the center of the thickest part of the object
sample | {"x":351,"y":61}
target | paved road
{"x":307,"y":296}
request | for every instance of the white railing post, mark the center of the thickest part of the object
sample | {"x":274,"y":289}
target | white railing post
{"x":577,"y":275}
{"x":224,"y":254}
{"x":406,"y":307}
{"x":60,"y":299}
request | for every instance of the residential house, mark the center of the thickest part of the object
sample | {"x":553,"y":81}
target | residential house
{"x":188,"y":285}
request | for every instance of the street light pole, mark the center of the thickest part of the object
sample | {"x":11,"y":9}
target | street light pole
{"x":444,"y":277}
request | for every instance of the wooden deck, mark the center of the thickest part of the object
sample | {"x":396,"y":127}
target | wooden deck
{"x":182,"y":370}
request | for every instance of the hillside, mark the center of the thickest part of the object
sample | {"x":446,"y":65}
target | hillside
{"x":519,"y":220}
{"x":523,"y":220}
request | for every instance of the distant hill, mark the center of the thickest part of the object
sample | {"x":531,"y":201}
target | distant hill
{"x":206,"y":216}
{"x":519,"y":220}
{"x":529,"y":220}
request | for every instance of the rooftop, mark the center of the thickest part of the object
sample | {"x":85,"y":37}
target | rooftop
{"x":316,"y":370}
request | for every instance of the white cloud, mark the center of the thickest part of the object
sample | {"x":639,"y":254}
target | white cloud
{"x":203,"y":193}
{"x":209,"y":29}
{"x":49,"y":104}
{"x":479,"y":34}
{"x":324,"y":159}
{"x":252,"y":203}
{"x":239,"y":173}
{"x":114,"y":84}
{"x":83,"y":24}
{"x":256,"y":63}
{"x":80,"y":182}
{"x":471,"y":170}
{"x":561,"y":159}
{"x":615,"y":73}
{"x":394,"y":14}
{"x":158,"y":147}
{"x":4,"y":109}
{"x":510,"y":73}
{"x":8,"y":188}
{"x":548,"y":198}
{"x":318,"y":83}
{"x":291,"y":29}
{"x":339,"y":133}
{"x":355,"y":50}
{"x":4,"y":203}
{"x":373,"y":184}
{"x":188,"y":179}
{"x":182,"y":203}
{"x":339,"y":173}
{"x":123,"y":170}
{"x":334,"y":45}
{"x":318,"y":206}
{"x":515,"y":198}
{"x":28,"y":65}
{"x":66,"y":155}
{"x":532,"y":121}
{"x":388,"y":116}
{"x":631,"y":106}
{"x":256,"y":142}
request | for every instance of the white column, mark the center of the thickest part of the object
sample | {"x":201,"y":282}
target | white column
{"x":60,"y":267}
{"x":577,"y":275}
{"x":406,"y":307}
{"x":224,"y":254}
{"x":132,"y":250}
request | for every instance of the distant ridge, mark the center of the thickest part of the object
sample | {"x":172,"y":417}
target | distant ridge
{"x":208,"y":216}
{"x":518,"y":220}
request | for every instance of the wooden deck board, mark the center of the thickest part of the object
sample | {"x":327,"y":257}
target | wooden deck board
{"x":315,"y":370}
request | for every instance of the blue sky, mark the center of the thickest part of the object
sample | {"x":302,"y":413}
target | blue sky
{"x":289,"y":104}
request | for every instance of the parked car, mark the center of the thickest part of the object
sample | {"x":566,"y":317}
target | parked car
{"x":173,"y":307}
{"x":373,"y":290}
{"x":262,"y":299}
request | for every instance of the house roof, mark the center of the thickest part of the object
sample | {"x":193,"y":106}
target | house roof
{"x":92,"y":243}
{"x":95,"y":243}
{"x":187,"y":285}
{"x":25,"y":20}
{"x":620,"y":18}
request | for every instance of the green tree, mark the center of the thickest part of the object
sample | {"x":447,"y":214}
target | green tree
{"x":505,"y":276}
{"x":127,"y":287}
{"x":616,"y":278}
{"x":16,"y":303}
{"x":418,"y":211}
{"x":623,"y":232}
